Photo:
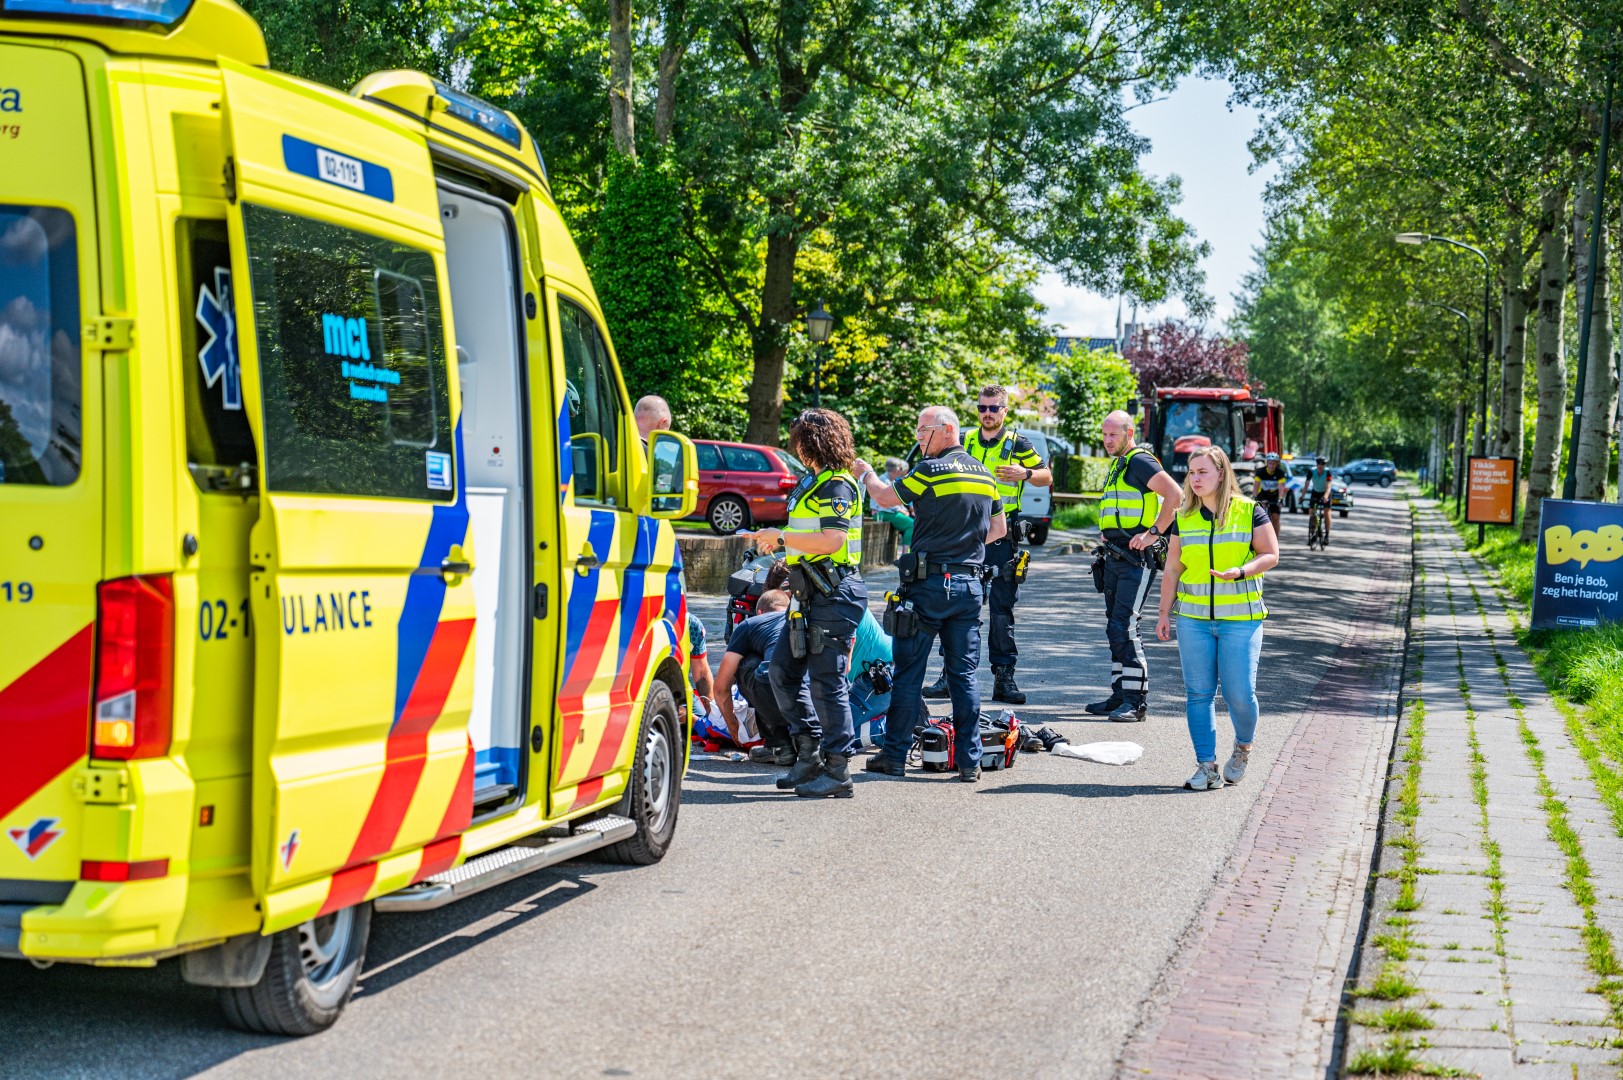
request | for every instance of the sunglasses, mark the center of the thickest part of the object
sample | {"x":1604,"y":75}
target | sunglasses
{"x":991,"y":408}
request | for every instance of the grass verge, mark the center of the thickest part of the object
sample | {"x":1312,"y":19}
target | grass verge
{"x":1076,"y":516}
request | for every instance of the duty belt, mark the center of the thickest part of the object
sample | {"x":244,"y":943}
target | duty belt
{"x":947,"y":569}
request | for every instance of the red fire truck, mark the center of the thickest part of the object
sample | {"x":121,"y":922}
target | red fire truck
{"x":1178,"y":419}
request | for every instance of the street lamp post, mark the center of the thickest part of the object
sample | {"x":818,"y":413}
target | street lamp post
{"x":819,"y":324}
{"x":1487,"y":340}
{"x":1465,"y":367}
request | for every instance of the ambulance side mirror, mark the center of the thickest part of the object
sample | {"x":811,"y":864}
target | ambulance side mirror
{"x":673,"y":469}
{"x":589,"y":453}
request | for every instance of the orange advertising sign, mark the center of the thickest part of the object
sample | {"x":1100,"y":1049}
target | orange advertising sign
{"x":1490,"y":492}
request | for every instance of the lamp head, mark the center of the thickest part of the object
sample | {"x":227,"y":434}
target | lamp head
{"x":1412,"y":237}
{"x":819,"y":324}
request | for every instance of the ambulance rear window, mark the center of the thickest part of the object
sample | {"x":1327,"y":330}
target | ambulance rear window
{"x":351,"y":360}
{"x":40,"y":420}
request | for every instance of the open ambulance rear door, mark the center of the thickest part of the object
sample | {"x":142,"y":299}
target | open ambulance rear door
{"x":361,"y":591}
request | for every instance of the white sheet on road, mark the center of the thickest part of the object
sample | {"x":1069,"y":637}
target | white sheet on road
{"x":1105,"y":753}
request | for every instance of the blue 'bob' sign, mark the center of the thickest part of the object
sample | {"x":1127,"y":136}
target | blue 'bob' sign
{"x":1579,"y":575}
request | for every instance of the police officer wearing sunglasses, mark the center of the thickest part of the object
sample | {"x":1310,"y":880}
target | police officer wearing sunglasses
{"x":957,"y":514}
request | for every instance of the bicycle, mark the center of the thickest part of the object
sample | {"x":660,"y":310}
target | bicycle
{"x":1318,"y":524}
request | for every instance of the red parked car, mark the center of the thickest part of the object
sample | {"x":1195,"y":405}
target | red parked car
{"x":742,"y":485}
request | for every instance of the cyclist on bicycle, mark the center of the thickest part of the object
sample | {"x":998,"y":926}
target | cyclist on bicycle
{"x":1318,"y":495}
{"x":1270,"y":481}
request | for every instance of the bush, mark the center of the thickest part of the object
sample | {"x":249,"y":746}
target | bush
{"x":1088,"y":385}
{"x":1086,"y":474}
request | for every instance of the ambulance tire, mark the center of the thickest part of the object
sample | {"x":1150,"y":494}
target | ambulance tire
{"x":654,"y":791}
{"x":309,"y":978}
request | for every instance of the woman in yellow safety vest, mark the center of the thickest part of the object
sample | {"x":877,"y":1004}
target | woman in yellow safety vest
{"x":1221,"y":545}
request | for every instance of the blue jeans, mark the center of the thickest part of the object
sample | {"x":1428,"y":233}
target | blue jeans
{"x":950,"y":607}
{"x":1213,"y":651}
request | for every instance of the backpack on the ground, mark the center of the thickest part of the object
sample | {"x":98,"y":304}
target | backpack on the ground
{"x":1000,"y":740}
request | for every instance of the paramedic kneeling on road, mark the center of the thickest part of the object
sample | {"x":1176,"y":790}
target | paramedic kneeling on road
{"x":824,"y":543}
{"x":1134,"y":489}
{"x":1222,"y":543}
{"x":748,"y":664}
{"x":956,"y":513}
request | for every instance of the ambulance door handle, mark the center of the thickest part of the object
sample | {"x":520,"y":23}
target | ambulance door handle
{"x":587,"y":560}
{"x":450,"y":568}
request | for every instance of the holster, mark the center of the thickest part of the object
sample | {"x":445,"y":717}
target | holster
{"x":1098,"y":569}
{"x":910,"y":567}
{"x":808,"y":579}
{"x":1015,"y":569}
{"x":798,"y":644}
{"x":901,"y":620}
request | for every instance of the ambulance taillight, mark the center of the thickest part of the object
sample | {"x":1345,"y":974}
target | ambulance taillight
{"x":135,"y":665}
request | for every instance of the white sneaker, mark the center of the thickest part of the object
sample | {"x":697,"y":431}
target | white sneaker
{"x":1234,"y":767}
{"x":1206,"y":778}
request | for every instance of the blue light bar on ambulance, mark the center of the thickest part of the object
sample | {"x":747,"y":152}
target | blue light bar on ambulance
{"x":156,"y":12}
{"x":481,"y":114}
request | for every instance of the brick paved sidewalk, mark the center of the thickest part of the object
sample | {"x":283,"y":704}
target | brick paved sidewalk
{"x":1501,"y":868}
{"x":1257,"y":984}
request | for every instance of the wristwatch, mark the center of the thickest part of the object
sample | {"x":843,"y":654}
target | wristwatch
{"x":1029,"y":474}
{"x":1153,"y":531}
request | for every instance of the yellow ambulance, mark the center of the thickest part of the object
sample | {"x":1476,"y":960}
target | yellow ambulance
{"x":334,"y":576}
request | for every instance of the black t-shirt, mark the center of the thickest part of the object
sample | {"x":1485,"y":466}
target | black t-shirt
{"x":1140,"y":469}
{"x":1259,"y":518}
{"x":953,"y":498}
{"x":757,"y":636}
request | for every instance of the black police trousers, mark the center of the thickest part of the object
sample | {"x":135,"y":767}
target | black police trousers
{"x":1004,"y":594}
{"x":756,"y":686}
{"x":950,"y":607}
{"x":1127,"y":585}
{"x":812,"y":691}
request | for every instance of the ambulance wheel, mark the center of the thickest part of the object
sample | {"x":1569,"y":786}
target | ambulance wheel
{"x":311,"y":973}
{"x":654,"y":791}
{"x":727,"y":515}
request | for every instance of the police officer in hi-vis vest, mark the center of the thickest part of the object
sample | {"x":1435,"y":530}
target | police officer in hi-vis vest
{"x":1014,"y":462}
{"x":1139,"y":502}
{"x":823,"y":539}
{"x":957,"y":516}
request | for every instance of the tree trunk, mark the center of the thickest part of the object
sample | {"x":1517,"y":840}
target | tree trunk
{"x":1600,"y":384}
{"x":621,"y":119}
{"x":771,"y":343}
{"x":1545,"y":467}
{"x":1513,"y":342}
{"x":670,"y":63}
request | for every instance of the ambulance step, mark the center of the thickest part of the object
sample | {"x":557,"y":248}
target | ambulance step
{"x":504,"y":864}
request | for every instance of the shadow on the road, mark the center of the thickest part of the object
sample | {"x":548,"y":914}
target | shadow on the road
{"x":1084,"y":791}
{"x":149,"y":1023}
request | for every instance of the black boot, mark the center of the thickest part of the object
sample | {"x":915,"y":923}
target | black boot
{"x":808,"y":763}
{"x":1003,"y":688}
{"x":834,"y":780}
{"x":782,"y":756}
{"x":938,"y":689}
{"x":1129,"y":712}
{"x":879,"y":763}
{"x":1105,"y":707}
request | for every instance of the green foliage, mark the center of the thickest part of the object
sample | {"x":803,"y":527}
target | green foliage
{"x":638,"y":266}
{"x":338,"y":42}
{"x":1087,"y":474}
{"x":1089,"y":384}
{"x":1077,"y":516}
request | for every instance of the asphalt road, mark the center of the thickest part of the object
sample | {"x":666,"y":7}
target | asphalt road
{"x":924,"y":928}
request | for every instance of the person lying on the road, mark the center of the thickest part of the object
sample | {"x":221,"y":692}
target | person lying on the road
{"x":1221,"y":544}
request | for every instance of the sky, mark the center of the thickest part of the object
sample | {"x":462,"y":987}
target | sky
{"x":1196,"y":136}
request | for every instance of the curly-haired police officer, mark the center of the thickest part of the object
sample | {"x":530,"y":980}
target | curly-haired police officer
{"x":956,"y":514}
{"x":823,"y":539}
